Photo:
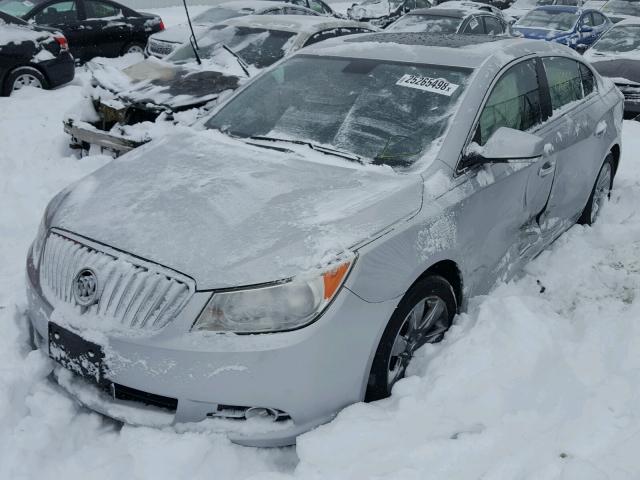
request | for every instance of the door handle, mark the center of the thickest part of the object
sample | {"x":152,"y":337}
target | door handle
{"x":546,"y":169}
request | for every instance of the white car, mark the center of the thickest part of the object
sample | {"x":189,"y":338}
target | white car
{"x":163,"y":43}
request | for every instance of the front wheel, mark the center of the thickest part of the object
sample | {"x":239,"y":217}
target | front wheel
{"x":422,"y":316}
{"x":600,"y":193}
{"x":133,"y":47}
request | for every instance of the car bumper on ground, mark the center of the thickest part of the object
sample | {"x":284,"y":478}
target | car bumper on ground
{"x":60,"y":70}
{"x":83,"y":135}
{"x":178,"y":376}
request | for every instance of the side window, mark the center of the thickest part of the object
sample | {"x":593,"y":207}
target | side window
{"x":587,"y":19}
{"x":302,"y":3}
{"x":423,"y":4}
{"x":97,"y":9}
{"x":598,"y":19}
{"x":565,"y":80}
{"x":492,"y":25}
{"x":513,"y":103}
{"x":317,"y":6}
{"x":57,"y":13}
{"x":474,"y":26}
{"x":588,"y":82}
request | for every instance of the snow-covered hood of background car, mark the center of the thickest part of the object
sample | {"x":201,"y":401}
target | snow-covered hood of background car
{"x":229,"y":214}
{"x":372,"y":10}
{"x":166,"y":84}
{"x":618,"y":68}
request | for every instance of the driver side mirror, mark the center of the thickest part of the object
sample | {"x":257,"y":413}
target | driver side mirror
{"x":504,"y":146}
{"x":586,"y":29}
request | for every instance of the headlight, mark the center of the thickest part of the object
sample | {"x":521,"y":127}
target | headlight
{"x":282,"y":306}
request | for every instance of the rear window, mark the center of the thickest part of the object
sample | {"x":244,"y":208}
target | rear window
{"x":426,"y":24}
{"x":549,"y":19}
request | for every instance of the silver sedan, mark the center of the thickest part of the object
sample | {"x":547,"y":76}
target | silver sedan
{"x":289,"y":257}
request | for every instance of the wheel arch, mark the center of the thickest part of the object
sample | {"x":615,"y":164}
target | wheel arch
{"x":450,"y":271}
{"x":615,"y":151}
{"x":23,"y":65}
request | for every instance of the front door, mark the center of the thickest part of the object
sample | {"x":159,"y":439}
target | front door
{"x":63,"y":16}
{"x":107,"y":29}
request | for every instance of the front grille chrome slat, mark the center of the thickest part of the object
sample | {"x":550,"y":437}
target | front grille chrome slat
{"x":134,"y":294}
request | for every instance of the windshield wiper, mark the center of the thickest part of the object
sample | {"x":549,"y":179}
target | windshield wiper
{"x":241,"y":62}
{"x":314,"y":146}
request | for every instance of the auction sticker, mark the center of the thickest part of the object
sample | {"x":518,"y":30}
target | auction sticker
{"x":428,"y":84}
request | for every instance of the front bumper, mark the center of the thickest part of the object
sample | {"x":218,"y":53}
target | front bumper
{"x":310,"y":374}
{"x":84,"y":134}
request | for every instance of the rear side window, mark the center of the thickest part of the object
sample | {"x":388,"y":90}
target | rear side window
{"x":588,"y":82}
{"x":492,"y":25}
{"x":96,"y":9}
{"x":565,"y":80}
{"x":513,"y":103}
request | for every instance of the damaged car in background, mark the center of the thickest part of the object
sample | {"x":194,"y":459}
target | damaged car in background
{"x":290,"y":256}
{"x":128,"y":106}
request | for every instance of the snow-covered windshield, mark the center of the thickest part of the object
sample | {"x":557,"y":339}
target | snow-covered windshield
{"x":258,"y":47}
{"x":17,"y":8}
{"x":622,"y":7}
{"x":426,"y":23}
{"x":390,"y":4}
{"x":386,"y":112}
{"x":216,"y":15}
{"x":526,"y":4}
{"x":623,"y":38}
{"x":549,"y":20}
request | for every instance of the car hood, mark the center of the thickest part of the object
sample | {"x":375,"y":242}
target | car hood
{"x":179,"y":33}
{"x":618,"y":69}
{"x":156,"y":83}
{"x":231,"y":214}
{"x":540,"y":33}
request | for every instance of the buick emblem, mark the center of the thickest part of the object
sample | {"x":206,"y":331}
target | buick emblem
{"x":85,"y":287}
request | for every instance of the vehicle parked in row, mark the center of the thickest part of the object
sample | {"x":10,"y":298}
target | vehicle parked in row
{"x":473,"y":6}
{"x":229,"y":54}
{"x":497,"y":4}
{"x":618,"y":10}
{"x":32,"y":56}
{"x":163,"y":43}
{"x":574,"y":27}
{"x":289,"y":258}
{"x":318,"y":6}
{"x":94,"y":28}
{"x":449,"y":21}
{"x":384,"y":12}
{"x":520,"y":8}
{"x":617,"y":55}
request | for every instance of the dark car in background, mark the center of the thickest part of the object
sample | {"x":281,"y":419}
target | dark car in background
{"x":32,"y":56}
{"x":574,"y":27}
{"x":93,"y":27}
{"x":618,"y":10}
{"x":617,"y":56}
{"x":446,"y":21}
{"x":384,"y":12}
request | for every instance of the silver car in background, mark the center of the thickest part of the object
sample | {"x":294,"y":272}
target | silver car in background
{"x":289,"y":258}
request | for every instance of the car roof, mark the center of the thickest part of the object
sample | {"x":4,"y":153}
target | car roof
{"x":238,"y":5}
{"x":561,"y":8}
{"x":440,"y":12}
{"x":465,"y":5}
{"x":454,"y":50}
{"x":293,"y":23}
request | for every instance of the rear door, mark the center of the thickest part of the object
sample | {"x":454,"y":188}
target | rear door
{"x":107,"y":28}
{"x":65,"y":16}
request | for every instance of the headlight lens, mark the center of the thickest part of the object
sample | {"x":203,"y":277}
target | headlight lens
{"x":278,"y":307}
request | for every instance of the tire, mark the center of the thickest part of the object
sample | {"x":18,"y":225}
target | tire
{"x":22,"y":77}
{"x":133,"y":47}
{"x":399,"y":341}
{"x":599,"y":194}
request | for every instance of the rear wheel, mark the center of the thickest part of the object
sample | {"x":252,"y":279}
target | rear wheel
{"x":600,"y":193}
{"x":23,"y":77}
{"x":422,"y":316}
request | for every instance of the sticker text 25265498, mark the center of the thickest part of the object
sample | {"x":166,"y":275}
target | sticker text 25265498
{"x":428,"y":84}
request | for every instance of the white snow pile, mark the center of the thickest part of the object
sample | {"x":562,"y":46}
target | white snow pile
{"x":539,"y":380}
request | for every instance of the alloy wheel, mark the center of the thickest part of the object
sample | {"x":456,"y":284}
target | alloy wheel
{"x":26,"y":80}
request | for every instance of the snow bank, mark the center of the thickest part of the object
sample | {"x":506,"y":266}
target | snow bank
{"x":538,"y":380}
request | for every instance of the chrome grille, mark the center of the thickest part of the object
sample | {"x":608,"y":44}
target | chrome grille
{"x":135,"y":295}
{"x":160,"y":48}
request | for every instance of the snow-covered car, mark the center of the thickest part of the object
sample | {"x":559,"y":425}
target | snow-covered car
{"x":618,"y":10}
{"x":93,"y":28}
{"x":189,"y":82}
{"x":288,"y":258}
{"x":574,"y":27}
{"x":519,"y":8}
{"x":384,"y":12}
{"x":32,"y":56}
{"x":163,"y":43}
{"x":475,"y":6}
{"x":450,"y":21}
{"x":617,"y":56}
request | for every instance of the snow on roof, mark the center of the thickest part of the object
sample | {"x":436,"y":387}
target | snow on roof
{"x":292,"y":23}
{"x":12,"y":33}
{"x":560,"y":8}
{"x":466,"y":6}
{"x":239,"y":5}
{"x":443,"y":12}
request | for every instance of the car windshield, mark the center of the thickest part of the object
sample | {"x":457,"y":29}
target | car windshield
{"x":383,"y":112}
{"x":622,"y":7}
{"x":619,"y":39}
{"x":549,"y":20}
{"x":526,"y":4}
{"x":6,"y":18}
{"x":426,"y":23}
{"x":258,"y":47}
{"x":217,"y":15}
{"x":17,"y":8}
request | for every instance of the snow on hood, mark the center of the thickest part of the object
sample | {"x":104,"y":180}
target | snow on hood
{"x":12,"y":33}
{"x":229,"y":214}
{"x":161,"y":83}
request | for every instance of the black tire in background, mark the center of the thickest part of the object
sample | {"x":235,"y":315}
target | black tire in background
{"x":133,"y":47}
{"x":600,"y":193}
{"x":21,"y":77}
{"x":399,"y":342}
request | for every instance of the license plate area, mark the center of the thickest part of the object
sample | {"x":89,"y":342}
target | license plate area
{"x":76,"y":354}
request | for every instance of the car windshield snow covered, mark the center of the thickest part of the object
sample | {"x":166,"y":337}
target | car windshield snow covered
{"x":549,"y":19}
{"x":426,"y":23}
{"x":373,"y":111}
{"x":259,"y":47}
{"x":622,"y":7}
{"x":619,"y":39}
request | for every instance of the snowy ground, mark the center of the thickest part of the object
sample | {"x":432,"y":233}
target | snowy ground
{"x":527,"y":385}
